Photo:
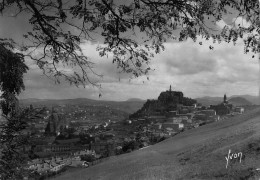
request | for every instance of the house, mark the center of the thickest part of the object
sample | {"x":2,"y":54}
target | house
{"x":45,"y":167}
{"x":156,"y":118}
{"x":128,"y":121}
{"x":172,"y":114}
{"x":76,"y":163}
{"x":240,"y":110}
{"x":184,"y":111}
{"x":185,"y":116}
{"x":82,"y":153}
{"x":57,"y":167}
{"x":157,"y":126}
{"x":33,"y":163}
{"x":85,"y":127}
{"x":222,"y":109}
{"x":175,"y":119}
{"x":200,"y":116}
{"x":208,"y":112}
{"x":107,"y":147}
{"x":67,"y":141}
{"x":175,"y":126}
{"x":58,"y":150}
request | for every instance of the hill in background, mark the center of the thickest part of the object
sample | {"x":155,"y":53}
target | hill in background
{"x":237,"y":100}
{"x":129,"y":106}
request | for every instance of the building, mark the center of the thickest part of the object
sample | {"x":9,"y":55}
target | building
{"x":208,"y":112}
{"x":105,"y":148}
{"x":157,"y":126}
{"x":58,"y":149}
{"x":240,"y":110}
{"x":56,"y":123}
{"x":174,"y":126}
{"x":200,"y":116}
{"x":172,"y":114}
{"x":57,"y":167}
{"x":222,"y":109}
{"x":175,"y":119}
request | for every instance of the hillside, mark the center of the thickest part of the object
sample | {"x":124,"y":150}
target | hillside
{"x":195,"y":154}
{"x":252,"y":99}
{"x":242,"y":100}
{"x":128,"y":106}
{"x":167,"y":101}
{"x":239,"y":101}
{"x":207,"y":101}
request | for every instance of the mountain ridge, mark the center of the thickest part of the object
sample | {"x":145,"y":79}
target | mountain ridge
{"x":126,"y":106}
{"x":208,"y":100}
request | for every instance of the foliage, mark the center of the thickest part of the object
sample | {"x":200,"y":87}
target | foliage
{"x":188,"y":101}
{"x":132,"y":31}
{"x":88,"y":158}
{"x":12,"y":68}
{"x":167,"y":101}
{"x":129,"y":146}
{"x":13,"y":140}
{"x":11,"y":143}
{"x":12,"y":136}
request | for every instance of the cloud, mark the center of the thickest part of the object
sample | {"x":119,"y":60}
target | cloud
{"x":221,"y":24}
{"x":186,"y":59}
{"x":240,"y":21}
{"x":187,"y":66}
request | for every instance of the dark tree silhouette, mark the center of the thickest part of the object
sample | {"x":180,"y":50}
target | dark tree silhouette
{"x":130,"y":30}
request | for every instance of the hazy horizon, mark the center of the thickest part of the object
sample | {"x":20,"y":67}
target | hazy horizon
{"x":98,"y":99}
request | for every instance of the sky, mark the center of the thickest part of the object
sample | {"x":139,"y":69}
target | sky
{"x":187,"y":66}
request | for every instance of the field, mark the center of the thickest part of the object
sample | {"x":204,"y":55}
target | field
{"x":195,"y":154}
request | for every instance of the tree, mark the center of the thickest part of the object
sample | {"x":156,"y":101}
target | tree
{"x":12,"y":68}
{"x":12,"y":138}
{"x":131,"y":31}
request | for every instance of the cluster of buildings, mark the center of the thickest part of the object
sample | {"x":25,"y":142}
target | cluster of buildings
{"x":173,"y":122}
{"x":56,"y":164}
{"x":171,"y":114}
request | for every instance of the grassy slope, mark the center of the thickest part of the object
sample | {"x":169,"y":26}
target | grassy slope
{"x":195,"y":154}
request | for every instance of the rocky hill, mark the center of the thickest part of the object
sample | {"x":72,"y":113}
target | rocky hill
{"x":167,"y":101}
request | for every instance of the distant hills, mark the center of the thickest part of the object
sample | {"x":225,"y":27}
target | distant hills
{"x":237,"y":100}
{"x":135,"y":99}
{"x":133,"y":104}
{"x":207,"y":101}
{"x":129,"y":106}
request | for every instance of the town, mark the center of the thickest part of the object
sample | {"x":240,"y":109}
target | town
{"x":60,"y":140}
